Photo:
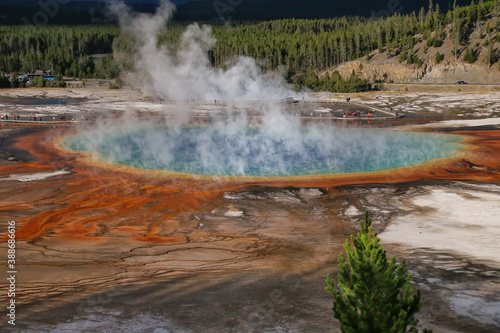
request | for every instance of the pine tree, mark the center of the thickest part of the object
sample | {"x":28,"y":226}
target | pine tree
{"x":439,"y":57}
{"x":491,"y":57}
{"x":471,"y":14}
{"x":430,"y":15}
{"x":469,"y":55}
{"x":375,"y":293}
{"x":496,"y":13}
{"x":481,"y":11}
{"x":456,"y":33}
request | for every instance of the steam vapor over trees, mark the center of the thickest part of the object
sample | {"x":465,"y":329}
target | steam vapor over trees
{"x":375,"y":293}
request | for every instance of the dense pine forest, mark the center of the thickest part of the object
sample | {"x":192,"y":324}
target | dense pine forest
{"x":303,"y":48}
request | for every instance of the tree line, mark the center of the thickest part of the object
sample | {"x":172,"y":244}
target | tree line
{"x":65,"y":50}
{"x":303,"y":47}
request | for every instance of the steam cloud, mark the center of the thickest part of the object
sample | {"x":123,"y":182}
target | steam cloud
{"x":187,"y":73}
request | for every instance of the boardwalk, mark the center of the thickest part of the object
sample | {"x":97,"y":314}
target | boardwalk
{"x":380,"y":113}
{"x":389,"y":114}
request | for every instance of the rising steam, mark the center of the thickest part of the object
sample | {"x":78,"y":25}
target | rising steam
{"x":187,"y":73}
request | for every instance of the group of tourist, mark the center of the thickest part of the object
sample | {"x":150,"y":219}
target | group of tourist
{"x":355,"y":114}
{"x":6,"y":117}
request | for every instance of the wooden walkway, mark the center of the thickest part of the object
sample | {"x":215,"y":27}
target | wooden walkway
{"x":391,"y":115}
{"x":388,"y":114}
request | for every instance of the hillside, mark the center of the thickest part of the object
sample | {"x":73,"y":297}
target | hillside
{"x":423,"y":53}
{"x":387,"y":66}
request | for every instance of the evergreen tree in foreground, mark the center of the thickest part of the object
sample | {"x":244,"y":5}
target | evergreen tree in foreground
{"x":375,"y":293}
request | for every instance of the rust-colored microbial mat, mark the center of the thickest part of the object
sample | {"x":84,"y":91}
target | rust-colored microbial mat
{"x":96,"y":201}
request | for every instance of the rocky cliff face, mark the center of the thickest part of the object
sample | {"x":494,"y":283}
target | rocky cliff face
{"x":386,"y":72}
{"x":387,"y":67}
{"x":393,"y":71}
{"x":470,"y":73}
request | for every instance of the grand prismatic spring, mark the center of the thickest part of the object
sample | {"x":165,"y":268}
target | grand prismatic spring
{"x":264,"y":151}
